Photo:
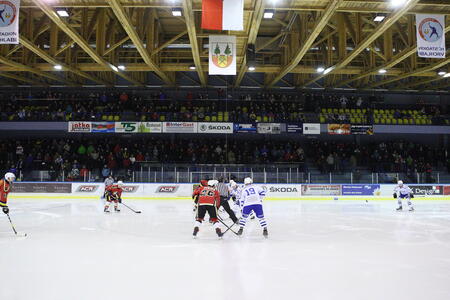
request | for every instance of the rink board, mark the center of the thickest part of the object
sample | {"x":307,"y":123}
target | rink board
{"x":183,"y":191}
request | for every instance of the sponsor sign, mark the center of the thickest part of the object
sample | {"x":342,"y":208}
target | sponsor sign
{"x":321,"y":190}
{"x":269,"y":128}
{"x":180,"y":127}
{"x":9,"y":21}
{"x":361,"y":190}
{"x":167,"y":189}
{"x":362,"y":129}
{"x":41,"y":187}
{"x":430,"y":35}
{"x":127,"y":127}
{"x":130,"y":188}
{"x":447,"y":190}
{"x":150,"y":127}
{"x":339,"y":129}
{"x":311,"y":128}
{"x":215,"y":127}
{"x":427,"y":189}
{"x":222,"y":55}
{"x":245,"y":128}
{"x":294,"y":128}
{"x":87,"y":188}
{"x":103,"y":126}
{"x":79,"y":127}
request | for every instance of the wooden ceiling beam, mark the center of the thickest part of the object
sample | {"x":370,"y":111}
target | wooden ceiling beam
{"x":320,"y":25}
{"x":377,"y":32}
{"x":127,"y":25}
{"x":51,"y":60}
{"x":192,"y":32}
{"x":252,"y":29}
{"x":74,"y":35}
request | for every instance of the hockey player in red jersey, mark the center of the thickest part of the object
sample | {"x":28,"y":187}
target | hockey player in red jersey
{"x":208,"y":200}
{"x":114,"y":194}
{"x":5,"y":187}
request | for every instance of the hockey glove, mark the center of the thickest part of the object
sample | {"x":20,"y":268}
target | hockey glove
{"x":120,"y":200}
{"x":411,"y":195}
{"x":5,"y":209}
{"x":395,"y":195}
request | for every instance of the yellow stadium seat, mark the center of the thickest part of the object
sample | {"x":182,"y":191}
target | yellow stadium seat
{"x":194,"y":118}
{"x":347,"y":111}
{"x":220,"y":118}
{"x":323,"y":110}
{"x":266,"y":119}
{"x":358,"y":111}
{"x":111,"y":118}
{"x":376,"y":111}
{"x":335,"y":110}
{"x":389,"y":121}
{"x":116,"y":118}
{"x":394,"y":121}
{"x":405,"y":121}
{"x":162,"y":118}
{"x":214,"y":119}
{"x":104,"y":118}
{"x":400,"y":122}
{"x":381,"y":111}
{"x":258,"y":118}
{"x":322,"y":120}
{"x":377,"y":121}
{"x":429,"y":122}
{"x":383,"y":121}
{"x":341,"y":110}
{"x":226,"y":118}
{"x":207,"y":118}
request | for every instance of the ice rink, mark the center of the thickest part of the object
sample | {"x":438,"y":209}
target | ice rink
{"x":316,"y":250}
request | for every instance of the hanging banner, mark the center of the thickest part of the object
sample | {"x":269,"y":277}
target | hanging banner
{"x":9,"y":21}
{"x":150,"y":127}
{"x":103,"y":127}
{"x":362,"y":129}
{"x":430,"y":35}
{"x":127,"y":127}
{"x":339,"y":129}
{"x":222,"y":55}
{"x":79,"y":126}
{"x":180,"y":127}
{"x":223,"y":14}
{"x":311,"y":128}
{"x":215,"y":128}
{"x":270,"y":128}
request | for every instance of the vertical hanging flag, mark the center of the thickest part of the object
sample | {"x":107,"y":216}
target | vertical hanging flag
{"x":222,"y":55}
{"x":223,"y":14}
{"x":430,"y":35}
{"x":9,"y":21}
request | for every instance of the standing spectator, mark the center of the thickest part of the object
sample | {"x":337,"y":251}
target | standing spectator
{"x":106,"y":172}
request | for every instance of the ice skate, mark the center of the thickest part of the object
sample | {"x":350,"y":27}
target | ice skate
{"x":219,"y":233}
{"x":196,"y":230}
{"x":411,"y":208}
{"x":106,"y":210}
{"x":116,"y":209}
{"x":265,"y":233}
{"x":241,"y":230}
{"x":399,"y":208}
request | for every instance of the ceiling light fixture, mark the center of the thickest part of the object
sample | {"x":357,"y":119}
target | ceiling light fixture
{"x":62,"y":13}
{"x":121,"y":67}
{"x":251,"y":68}
{"x":58,"y":67}
{"x":320,"y":69}
{"x":176,"y":12}
{"x":382,"y":71}
{"x":268,"y":13}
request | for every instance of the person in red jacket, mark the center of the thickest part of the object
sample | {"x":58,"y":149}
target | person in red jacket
{"x":113,"y":194}
{"x":208,"y":200}
{"x":5,"y":187}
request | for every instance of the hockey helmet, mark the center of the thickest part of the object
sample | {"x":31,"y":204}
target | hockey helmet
{"x":211,"y":182}
{"x":248,"y":180}
{"x":400,"y":183}
{"x":120,"y":183}
{"x":10,"y":177}
{"x":204,"y":182}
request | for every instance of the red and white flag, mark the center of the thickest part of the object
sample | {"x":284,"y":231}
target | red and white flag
{"x":223,"y":14}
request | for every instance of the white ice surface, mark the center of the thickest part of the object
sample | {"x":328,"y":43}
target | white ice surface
{"x":316,"y":250}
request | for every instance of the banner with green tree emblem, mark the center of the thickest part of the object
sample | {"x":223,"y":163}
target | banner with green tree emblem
{"x":222,"y":55}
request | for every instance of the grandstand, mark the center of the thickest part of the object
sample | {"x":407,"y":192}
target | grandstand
{"x":322,"y":126}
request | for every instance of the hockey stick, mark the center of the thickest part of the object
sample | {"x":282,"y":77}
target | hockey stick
{"x":135,"y":211}
{"x":228,"y":227}
{"x":14,"y":229}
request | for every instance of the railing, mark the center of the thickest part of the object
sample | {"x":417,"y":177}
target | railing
{"x":261,"y":174}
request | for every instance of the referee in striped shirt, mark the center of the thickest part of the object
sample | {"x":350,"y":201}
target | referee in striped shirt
{"x":224,"y":192}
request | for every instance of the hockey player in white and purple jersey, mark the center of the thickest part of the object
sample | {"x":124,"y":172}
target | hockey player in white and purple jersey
{"x":251,"y":201}
{"x":403,"y":191}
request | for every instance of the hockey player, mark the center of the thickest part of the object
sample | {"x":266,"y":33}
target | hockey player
{"x":5,"y":187}
{"x":108,"y":182}
{"x":251,"y":199}
{"x":403,"y":191}
{"x":114,"y":194}
{"x":235,"y":193}
{"x":196,"y":195}
{"x":208,"y":201}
